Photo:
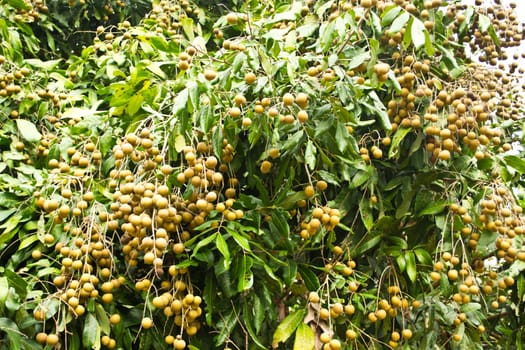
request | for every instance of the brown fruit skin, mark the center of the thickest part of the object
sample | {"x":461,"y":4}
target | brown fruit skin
{"x":210,"y":74}
{"x":266,"y":166}
{"x":41,"y":338}
{"x":250,"y":78}
{"x":52,"y":339}
{"x":231,"y":18}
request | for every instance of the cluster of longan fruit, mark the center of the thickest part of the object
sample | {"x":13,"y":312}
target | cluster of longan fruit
{"x":321,"y":219}
{"x":31,"y":12}
{"x":500,"y":213}
{"x":404,"y":110}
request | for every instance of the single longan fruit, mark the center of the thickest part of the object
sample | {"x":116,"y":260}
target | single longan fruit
{"x":309,"y":191}
{"x":266,"y":166}
{"x":146,"y":323}
{"x":288,"y":99}
{"x":232,"y":18}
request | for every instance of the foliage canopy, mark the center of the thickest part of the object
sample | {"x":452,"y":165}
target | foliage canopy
{"x":256,"y":174}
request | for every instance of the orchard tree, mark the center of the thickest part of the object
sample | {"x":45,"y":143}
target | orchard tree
{"x":261,"y":174}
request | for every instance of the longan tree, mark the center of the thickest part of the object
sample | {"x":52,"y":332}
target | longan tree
{"x":261,"y":174}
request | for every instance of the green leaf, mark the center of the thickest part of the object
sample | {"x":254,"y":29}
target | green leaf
{"x":515,"y":162}
{"x":102,"y":319}
{"x":91,"y":333}
{"x":249,"y":317}
{"x":366,"y":244}
{"x":366,"y":213}
{"x":401,"y":263}
{"x":28,"y":130}
{"x":309,"y":277}
{"x":304,"y":338}
{"x":204,"y":242}
{"x":180,"y":102}
{"x":243,"y":242}
{"x":423,"y":256}
{"x":134,"y":104}
{"x":484,"y":22}
{"x":470,"y":307}
{"x":16,"y":282}
{"x":187,"y":26}
{"x":19,"y":4}
{"x":399,"y":22}
{"x":434,"y":207}
{"x":180,"y":143}
{"x":222,"y":246}
{"x":417,"y":32}
{"x":410,"y":259}
{"x":4,"y":289}
{"x":389,"y":15}
{"x":309,"y":155}
{"x":358,"y":59}
{"x":245,"y":274}
{"x":288,"y":326}
{"x":7,"y":325}
{"x":4,"y":214}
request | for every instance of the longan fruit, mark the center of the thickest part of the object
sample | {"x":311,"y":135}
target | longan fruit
{"x":146,"y":323}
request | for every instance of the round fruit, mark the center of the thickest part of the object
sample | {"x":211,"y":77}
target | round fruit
{"x":234,"y":112}
{"x":210,"y":74}
{"x":288,"y":99}
{"x":36,"y":254}
{"x":351,"y":334}
{"x":309,"y":191}
{"x":302,"y":116}
{"x":266,"y":166}
{"x":302,"y":99}
{"x":41,"y":338}
{"x":321,"y":185}
{"x":325,"y":337}
{"x":407,"y":334}
{"x":52,"y":339}
{"x":232,"y":18}
{"x":274,"y":153}
{"x":250,"y":78}
{"x":313,"y":297}
{"x":146,"y":323}
{"x":115,"y":319}
{"x":179,"y":344}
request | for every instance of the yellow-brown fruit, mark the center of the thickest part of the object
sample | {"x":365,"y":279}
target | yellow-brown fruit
{"x":234,"y":112}
{"x":395,"y":336}
{"x":183,"y":65}
{"x":246,"y":123}
{"x":302,"y":99}
{"x":325,"y":337}
{"x":266,"y":167}
{"x":179,"y":344}
{"x":146,"y":323}
{"x":321,"y":185}
{"x":351,"y":334}
{"x":309,"y":191}
{"x":381,"y":68}
{"x":239,"y":100}
{"x":274,"y":153}
{"x":366,"y":3}
{"x":407,"y":334}
{"x":52,"y":339}
{"x":232,"y":18}
{"x":210,"y":74}
{"x":288,"y":99}
{"x":41,"y":338}
{"x":115,"y":319}
{"x":302,"y":116}
{"x":250,"y":78}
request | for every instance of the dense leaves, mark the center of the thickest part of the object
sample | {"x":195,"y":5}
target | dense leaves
{"x":258,"y":174}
